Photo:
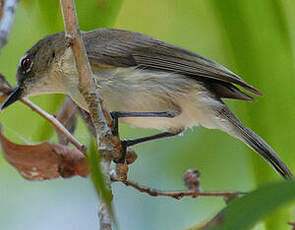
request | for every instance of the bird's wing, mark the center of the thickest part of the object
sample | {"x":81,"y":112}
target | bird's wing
{"x":126,"y":49}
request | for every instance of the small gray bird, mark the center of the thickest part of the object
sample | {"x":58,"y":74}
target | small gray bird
{"x":144,"y":82}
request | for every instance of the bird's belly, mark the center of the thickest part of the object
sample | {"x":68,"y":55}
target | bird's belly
{"x":146,"y":91}
{"x":174,"y":125}
{"x":140,"y":102}
{"x":192,"y":110}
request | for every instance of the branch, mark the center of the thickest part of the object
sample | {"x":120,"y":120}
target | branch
{"x":67,"y":115}
{"x":86,"y":117}
{"x":108,"y":145}
{"x":100,"y":118}
{"x":7,"y":20}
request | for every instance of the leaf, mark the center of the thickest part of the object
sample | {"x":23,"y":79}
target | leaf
{"x":44,"y":161}
{"x":98,"y":178}
{"x":243,"y":213}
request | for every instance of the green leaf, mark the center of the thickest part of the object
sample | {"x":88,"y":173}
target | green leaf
{"x":97,"y":176}
{"x":243,"y":213}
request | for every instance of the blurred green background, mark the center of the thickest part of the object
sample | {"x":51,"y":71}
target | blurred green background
{"x":253,"y":38}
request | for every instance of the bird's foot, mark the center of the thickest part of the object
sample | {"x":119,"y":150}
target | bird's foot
{"x":122,"y":159}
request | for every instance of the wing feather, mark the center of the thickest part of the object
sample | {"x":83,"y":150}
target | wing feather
{"x":121,"y":48}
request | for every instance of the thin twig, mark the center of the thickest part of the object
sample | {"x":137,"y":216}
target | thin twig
{"x":87,"y":119}
{"x":176,"y":194}
{"x":6,"y":89}
{"x":67,"y":115}
{"x":55,"y":123}
{"x":7,"y":20}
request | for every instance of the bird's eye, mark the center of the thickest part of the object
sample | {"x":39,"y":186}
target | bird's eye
{"x":26,"y":64}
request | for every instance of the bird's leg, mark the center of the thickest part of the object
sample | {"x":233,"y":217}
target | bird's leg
{"x":131,"y":142}
{"x":126,"y":143}
{"x":116,"y":115}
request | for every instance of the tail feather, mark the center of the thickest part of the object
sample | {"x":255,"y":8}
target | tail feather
{"x":238,"y":130}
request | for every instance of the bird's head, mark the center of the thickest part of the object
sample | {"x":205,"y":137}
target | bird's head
{"x":35,"y":69}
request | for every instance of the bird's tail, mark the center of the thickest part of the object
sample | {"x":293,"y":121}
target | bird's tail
{"x":234,"y":127}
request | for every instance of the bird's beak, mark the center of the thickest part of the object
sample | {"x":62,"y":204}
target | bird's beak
{"x":15,"y":95}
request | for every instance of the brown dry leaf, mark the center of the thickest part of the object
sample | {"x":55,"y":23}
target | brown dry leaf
{"x":44,"y":161}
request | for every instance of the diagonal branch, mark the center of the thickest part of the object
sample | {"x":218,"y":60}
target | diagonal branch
{"x":6,"y":89}
{"x":7,"y":20}
{"x":56,"y":123}
{"x":101,"y":119}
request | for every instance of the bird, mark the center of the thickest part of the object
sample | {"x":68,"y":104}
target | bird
{"x":144,"y":82}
